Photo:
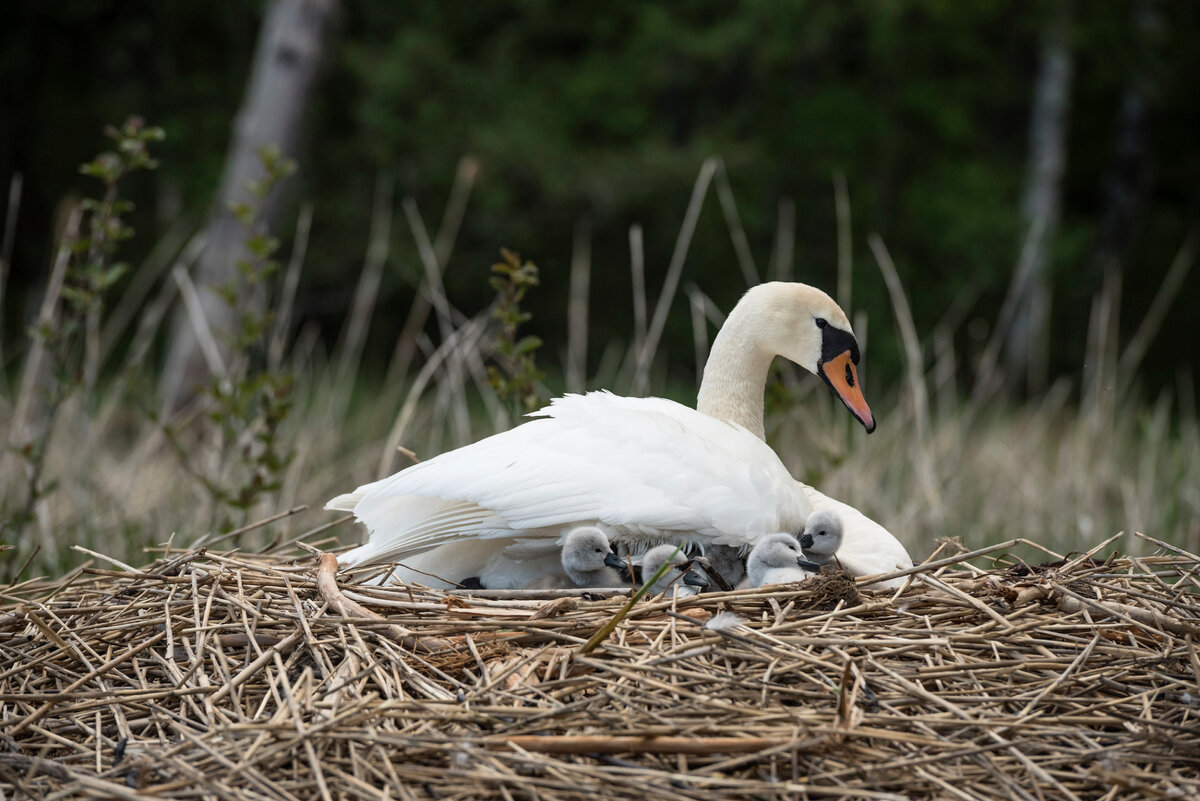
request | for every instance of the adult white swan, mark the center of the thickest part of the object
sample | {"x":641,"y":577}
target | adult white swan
{"x":644,"y":470}
{"x":755,"y":332}
{"x":647,"y":469}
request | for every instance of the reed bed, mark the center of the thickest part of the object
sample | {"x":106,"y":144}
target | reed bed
{"x":257,"y":676}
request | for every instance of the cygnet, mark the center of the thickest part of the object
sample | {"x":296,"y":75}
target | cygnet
{"x":727,"y":561}
{"x":822,"y":537}
{"x":588,"y":561}
{"x":776,"y":559}
{"x":690,"y":583}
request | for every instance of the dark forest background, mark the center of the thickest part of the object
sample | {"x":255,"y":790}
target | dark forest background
{"x":1031,"y":169}
{"x":601,"y":115}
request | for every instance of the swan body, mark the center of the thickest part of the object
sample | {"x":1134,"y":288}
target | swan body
{"x":643,"y":470}
{"x":775,"y":559}
{"x":684,"y":581}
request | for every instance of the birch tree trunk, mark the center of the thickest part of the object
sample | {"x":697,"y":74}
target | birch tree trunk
{"x":291,"y":47}
{"x":1028,"y":346}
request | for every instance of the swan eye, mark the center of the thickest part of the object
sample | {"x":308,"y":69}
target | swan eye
{"x":821,"y":322}
{"x":598,"y":551}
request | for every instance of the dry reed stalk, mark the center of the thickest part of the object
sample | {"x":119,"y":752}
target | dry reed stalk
{"x":238,"y":677}
{"x":699,"y":331}
{"x":362,"y":307}
{"x":637,"y":275}
{"x":683,"y":242}
{"x":782,"y":262}
{"x":1147,"y":330}
{"x":577,"y":307}
{"x":733,"y":221}
{"x":431,"y":291}
{"x":281,"y":326}
{"x":845,"y":241}
{"x":914,"y":364}
{"x":203,"y":331}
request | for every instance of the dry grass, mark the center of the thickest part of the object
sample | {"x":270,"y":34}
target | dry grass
{"x":230,"y":676}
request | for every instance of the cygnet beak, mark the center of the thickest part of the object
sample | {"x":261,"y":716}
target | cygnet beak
{"x":811,"y":567}
{"x":693,"y":578}
{"x":614,"y":561}
{"x":806,"y":541}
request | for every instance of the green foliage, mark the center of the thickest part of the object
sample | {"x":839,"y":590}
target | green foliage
{"x":516,"y":378}
{"x":68,"y":335}
{"x":607,"y":111}
{"x":247,"y":406}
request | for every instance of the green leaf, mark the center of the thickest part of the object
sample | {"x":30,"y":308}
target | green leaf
{"x":527,"y":344}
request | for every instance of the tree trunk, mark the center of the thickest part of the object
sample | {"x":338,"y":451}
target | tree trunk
{"x":291,"y":47}
{"x":1126,"y":175}
{"x":1122,"y":199}
{"x":1028,"y":343}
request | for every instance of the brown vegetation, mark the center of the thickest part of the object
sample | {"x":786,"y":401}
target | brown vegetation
{"x":234,"y":676}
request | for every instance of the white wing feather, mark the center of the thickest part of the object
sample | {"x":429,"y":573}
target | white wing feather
{"x":643,"y":467}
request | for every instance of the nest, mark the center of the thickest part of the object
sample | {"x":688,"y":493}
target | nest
{"x":229,"y":676}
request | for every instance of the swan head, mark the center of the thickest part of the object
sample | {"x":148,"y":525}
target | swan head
{"x":822,"y":536}
{"x":805,"y":325}
{"x":773,"y":552}
{"x":586,"y":550}
{"x":689,"y":583}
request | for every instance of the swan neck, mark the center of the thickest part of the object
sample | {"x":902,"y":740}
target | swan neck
{"x":735,"y":375}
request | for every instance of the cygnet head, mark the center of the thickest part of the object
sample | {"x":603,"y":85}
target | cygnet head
{"x":587,"y":555}
{"x":776,"y":559}
{"x":822,"y":536}
{"x":690,"y":583}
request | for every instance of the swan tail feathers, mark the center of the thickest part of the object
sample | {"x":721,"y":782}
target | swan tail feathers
{"x":345,"y":502}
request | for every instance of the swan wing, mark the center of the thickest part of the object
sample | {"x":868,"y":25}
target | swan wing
{"x":642,"y":467}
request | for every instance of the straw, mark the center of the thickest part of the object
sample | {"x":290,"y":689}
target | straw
{"x":236,"y":676}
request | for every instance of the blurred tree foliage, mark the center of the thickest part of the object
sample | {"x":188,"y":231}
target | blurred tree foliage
{"x":606,"y":111}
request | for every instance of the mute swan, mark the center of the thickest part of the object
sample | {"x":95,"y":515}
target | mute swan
{"x":587,"y":560}
{"x":776,"y":559}
{"x":646,"y":469}
{"x":822,"y":537}
{"x":690,"y":583}
{"x":736,"y":372}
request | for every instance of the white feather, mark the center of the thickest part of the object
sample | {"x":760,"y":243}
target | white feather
{"x":640,"y":467}
{"x":723,"y":621}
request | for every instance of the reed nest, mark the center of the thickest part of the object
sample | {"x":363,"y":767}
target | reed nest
{"x":233,"y":676}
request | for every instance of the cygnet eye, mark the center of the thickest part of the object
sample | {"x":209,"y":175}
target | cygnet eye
{"x":598,"y":550}
{"x":821,"y":322}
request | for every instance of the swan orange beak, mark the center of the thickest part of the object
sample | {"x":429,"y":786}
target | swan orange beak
{"x":841,"y":376}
